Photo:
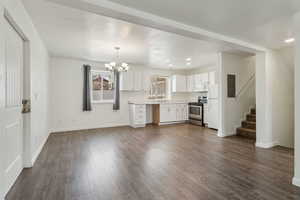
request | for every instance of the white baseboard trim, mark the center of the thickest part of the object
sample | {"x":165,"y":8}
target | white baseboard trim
{"x":222,"y":135}
{"x":138,"y":125}
{"x":266,"y":145}
{"x":62,"y":130}
{"x":38,"y":151}
{"x":170,"y":123}
{"x":296,"y":181}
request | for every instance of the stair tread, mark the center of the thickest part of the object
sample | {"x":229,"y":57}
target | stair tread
{"x":247,"y":129}
{"x":249,"y":122}
{"x":251,"y":117}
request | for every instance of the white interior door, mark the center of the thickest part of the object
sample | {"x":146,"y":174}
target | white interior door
{"x":10,"y":112}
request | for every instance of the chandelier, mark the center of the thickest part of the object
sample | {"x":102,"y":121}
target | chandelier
{"x":117,"y":65}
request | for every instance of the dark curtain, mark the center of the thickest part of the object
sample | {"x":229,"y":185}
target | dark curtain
{"x":116,"y":105}
{"x":86,"y":88}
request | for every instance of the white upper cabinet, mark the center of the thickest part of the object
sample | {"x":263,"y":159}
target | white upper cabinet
{"x":132,"y":81}
{"x":201,"y":82}
{"x":179,"y":83}
{"x":212,"y":78}
{"x":190,"y":83}
{"x":126,"y":81}
{"x":138,"y":81}
{"x":197,"y":83}
{"x":205,"y":81}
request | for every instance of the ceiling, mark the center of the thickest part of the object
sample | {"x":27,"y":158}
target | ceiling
{"x":263,"y":22}
{"x":69,"y":32}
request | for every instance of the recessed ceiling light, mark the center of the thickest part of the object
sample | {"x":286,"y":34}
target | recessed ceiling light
{"x":170,"y":65}
{"x":188,"y":59}
{"x":188,"y":63}
{"x":289,"y":40}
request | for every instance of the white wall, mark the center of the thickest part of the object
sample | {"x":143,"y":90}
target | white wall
{"x":275,"y":98}
{"x":263,"y":122}
{"x":283,"y":97}
{"x":38,"y":88}
{"x":233,"y":110}
{"x":66,"y":97}
{"x":296,"y":179}
{"x":39,"y":100}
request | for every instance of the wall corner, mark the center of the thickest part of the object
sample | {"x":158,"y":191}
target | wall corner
{"x":266,"y":145}
{"x":296,"y":181}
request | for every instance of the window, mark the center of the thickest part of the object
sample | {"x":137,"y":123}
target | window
{"x":160,"y":87}
{"x":102,"y":87}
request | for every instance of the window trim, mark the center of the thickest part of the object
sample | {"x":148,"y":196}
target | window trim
{"x":91,"y":89}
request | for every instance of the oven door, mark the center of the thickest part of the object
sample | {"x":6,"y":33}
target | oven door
{"x":195,"y":112}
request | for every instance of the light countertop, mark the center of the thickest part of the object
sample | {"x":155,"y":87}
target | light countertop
{"x":160,"y":101}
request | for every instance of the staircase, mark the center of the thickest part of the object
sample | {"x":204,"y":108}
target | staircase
{"x":248,"y":129}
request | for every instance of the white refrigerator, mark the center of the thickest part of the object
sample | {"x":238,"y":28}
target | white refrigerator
{"x":213,"y":107}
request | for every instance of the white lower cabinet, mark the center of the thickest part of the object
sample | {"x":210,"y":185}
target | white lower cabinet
{"x":137,"y":115}
{"x":181,"y":112}
{"x":173,"y":113}
{"x":167,"y":113}
{"x":213,"y":114}
{"x":206,"y":113}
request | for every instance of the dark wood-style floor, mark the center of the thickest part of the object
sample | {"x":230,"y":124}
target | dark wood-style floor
{"x":178,"y":162}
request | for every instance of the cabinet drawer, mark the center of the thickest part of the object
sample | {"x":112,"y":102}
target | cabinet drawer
{"x":140,"y":117}
{"x":140,"y":106}
{"x":140,"y":111}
